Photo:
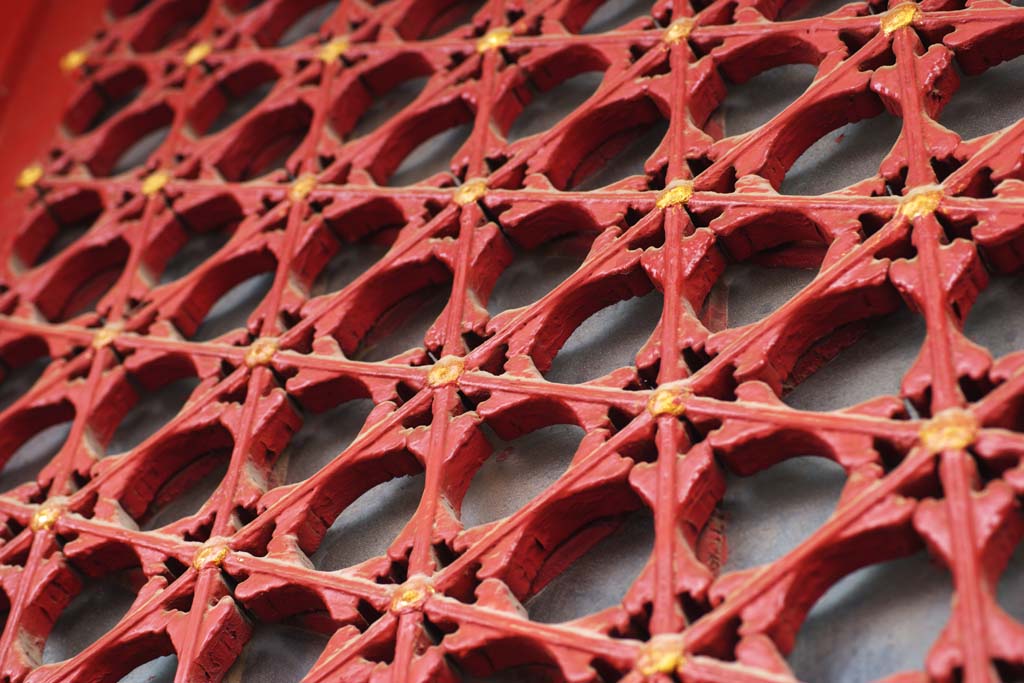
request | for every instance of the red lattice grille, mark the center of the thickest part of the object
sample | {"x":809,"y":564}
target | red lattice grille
{"x":266,"y":146}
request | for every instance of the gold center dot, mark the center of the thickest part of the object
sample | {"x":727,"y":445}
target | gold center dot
{"x":155,"y":182}
{"x":411,"y":594}
{"x":471,"y":191}
{"x":900,"y":16}
{"x":105,"y":336}
{"x":663,"y":654}
{"x":29,"y":176}
{"x":446,"y":371}
{"x":678,"y":30}
{"x":494,"y":39}
{"x":334,"y":49}
{"x":211,"y":556}
{"x":921,"y":202}
{"x":261,"y":352}
{"x":72,"y":60}
{"x":197,"y":53}
{"x":954,"y":429}
{"x":668,"y":400}
{"x":301,"y":188}
{"x":46,"y":516}
{"x":679,"y":192}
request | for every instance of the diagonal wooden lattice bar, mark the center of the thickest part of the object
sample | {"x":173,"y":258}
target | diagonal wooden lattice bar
{"x":445,"y":602}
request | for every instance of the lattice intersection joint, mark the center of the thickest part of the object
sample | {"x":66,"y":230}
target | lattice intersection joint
{"x":333,"y":49}
{"x":446,"y":370}
{"x":953,"y":429}
{"x":197,"y":53}
{"x":46,"y":515}
{"x":301,"y":188}
{"x":494,"y":39}
{"x":261,"y":352}
{"x":72,"y":60}
{"x":662,"y":654}
{"x":678,"y":193}
{"x":105,"y":336}
{"x":469,"y":192}
{"x":678,"y":30}
{"x":922,"y":201}
{"x":29,"y":176}
{"x":155,"y":182}
{"x":412,"y":594}
{"x":212,"y":554}
{"x":669,"y":399}
{"x":900,"y":16}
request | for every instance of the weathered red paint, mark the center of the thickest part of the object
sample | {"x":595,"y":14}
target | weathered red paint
{"x":658,"y":434}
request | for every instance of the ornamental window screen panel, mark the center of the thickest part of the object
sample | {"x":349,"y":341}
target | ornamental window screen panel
{"x":276,"y":153}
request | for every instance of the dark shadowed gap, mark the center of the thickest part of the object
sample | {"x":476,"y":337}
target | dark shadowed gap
{"x":535,"y":272}
{"x":877,"y":621}
{"x":139,"y":152}
{"x":769,"y":513}
{"x":756,"y":291}
{"x":277,"y":653}
{"x":308,"y":24}
{"x":404,"y":326}
{"x":107,"y":98}
{"x":367,"y":527}
{"x":1010,"y":591}
{"x":433,"y":156}
{"x":33,"y":455}
{"x":18,"y":381}
{"x":385,"y":107}
{"x":91,"y":614}
{"x":994,"y":322}
{"x":843,"y":156}
{"x":607,"y":340}
{"x":352,"y":260}
{"x":986,"y":102}
{"x":751,"y":104}
{"x":614,"y":13}
{"x":195,"y":252}
{"x":159,"y":670}
{"x":121,"y":8}
{"x":191,"y":500}
{"x":873,"y":366}
{"x":547,"y":108}
{"x":65,"y":237}
{"x":154,"y":409}
{"x":238,"y":106}
{"x":323,"y":437}
{"x":232,"y":310}
{"x":630,"y":161}
{"x":517,"y":471}
{"x":601,"y":577}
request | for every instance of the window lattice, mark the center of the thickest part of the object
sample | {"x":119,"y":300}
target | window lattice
{"x":265,"y":145}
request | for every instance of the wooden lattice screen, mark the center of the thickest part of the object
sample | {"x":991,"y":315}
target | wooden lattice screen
{"x":290,"y":187}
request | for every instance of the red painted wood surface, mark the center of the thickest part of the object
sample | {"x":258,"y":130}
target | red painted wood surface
{"x":446,"y":599}
{"x":33,"y":92}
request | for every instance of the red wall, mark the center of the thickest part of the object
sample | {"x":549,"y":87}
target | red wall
{"x":34,"y":34}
